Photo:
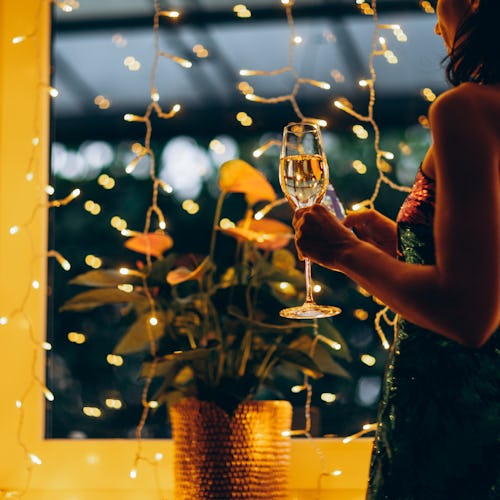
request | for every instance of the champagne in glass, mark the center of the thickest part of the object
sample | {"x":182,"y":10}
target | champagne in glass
{"x":304,"y":180}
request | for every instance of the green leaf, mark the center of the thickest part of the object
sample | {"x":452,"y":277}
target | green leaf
{"x":184,"y":376}
{"x":91,"y":299}
{"x":284,"y":259}
{"x":106,"y":278}
{"x":268,"y":272}
{"x":160,"y":269}
{"x":326,"y":329}
{"x":136,"y":339}
{"x":323,"y":358}
{"x":301,"y":360}
{"x":170,"y":397}
{"x":228,"y":278}
{"x":165,"y":368}
{"x":191,"y":354}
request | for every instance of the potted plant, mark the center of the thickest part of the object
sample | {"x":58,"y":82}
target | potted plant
{"x":211,"y":334}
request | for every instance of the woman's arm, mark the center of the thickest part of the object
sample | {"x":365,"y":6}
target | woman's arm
{"x":467,"y":220}
{"x":459,"y":297}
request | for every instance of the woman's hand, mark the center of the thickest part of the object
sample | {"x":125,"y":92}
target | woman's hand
{"x":320,"y":236}
{"x":373,"y":227}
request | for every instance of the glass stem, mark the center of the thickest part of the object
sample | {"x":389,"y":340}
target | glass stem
{"x":309,"y":288}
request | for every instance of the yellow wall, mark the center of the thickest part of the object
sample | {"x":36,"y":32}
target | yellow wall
{"x":86,"y":469}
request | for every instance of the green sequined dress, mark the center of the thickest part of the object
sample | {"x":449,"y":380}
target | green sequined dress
{"x":438,"y":436}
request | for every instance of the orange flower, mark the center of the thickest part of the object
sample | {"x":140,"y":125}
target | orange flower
{"x":238,"y":176}
{"x":182,"y":274}
{"x":267,"y":234}
{"x":150,"y":244}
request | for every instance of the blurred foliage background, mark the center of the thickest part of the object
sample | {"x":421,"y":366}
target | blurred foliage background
{"x":98,"y":396}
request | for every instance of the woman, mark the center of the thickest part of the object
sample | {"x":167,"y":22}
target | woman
{"x":438,"y":268}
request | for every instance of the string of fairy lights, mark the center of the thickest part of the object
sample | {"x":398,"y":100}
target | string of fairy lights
{"x":26,"y":229}
{"x":379,"y":48}
{"x":247,"y":90}
{"x":142,"y":150}
{"x":155,"y":219}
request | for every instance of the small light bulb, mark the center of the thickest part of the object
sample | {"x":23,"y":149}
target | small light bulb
{"x":328,"y":397}
{"x":36,"y":460}
{"x":48,"y":394}
{"x":368,"y":360}
{"x":173,"y":14}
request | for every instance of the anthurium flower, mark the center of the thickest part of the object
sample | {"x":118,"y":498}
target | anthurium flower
{"x":267,"y":234}
{"x":150,"y":244}
{"x":182,"y":273}
{"x":238,"y":176}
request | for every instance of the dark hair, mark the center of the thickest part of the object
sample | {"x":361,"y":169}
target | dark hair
{"x":475,"y":54}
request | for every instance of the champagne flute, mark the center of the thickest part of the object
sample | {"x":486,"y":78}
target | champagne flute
{"x":304,"y":180}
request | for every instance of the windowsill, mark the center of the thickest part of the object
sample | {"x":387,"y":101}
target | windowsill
{"x":100,"y":469}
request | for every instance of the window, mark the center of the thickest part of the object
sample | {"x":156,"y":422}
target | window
{"x":74,"y":468}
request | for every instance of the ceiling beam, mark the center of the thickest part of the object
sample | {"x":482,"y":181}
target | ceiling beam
{"x":201,"y":17}
{"x":209,"y":121}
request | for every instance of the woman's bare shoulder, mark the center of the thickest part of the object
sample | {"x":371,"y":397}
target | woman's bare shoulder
{"x":457,"y":96}
{"x":468,"y":105}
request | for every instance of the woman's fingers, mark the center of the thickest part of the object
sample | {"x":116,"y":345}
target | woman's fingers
{"x":353,"y":219}
{"x":298,"y":214}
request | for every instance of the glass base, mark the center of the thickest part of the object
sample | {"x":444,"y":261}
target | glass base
{"x":310,"y":311}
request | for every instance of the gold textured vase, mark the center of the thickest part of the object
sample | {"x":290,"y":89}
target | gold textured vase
{"x":245,"y":455}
